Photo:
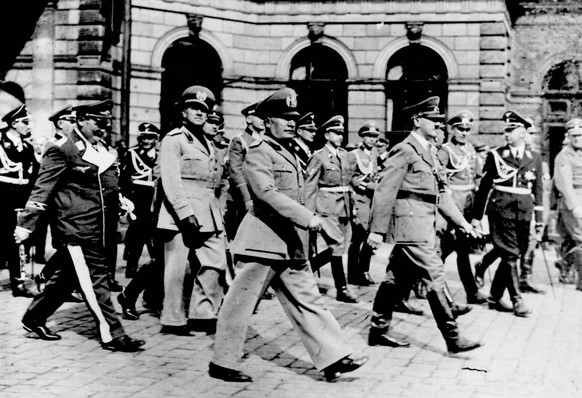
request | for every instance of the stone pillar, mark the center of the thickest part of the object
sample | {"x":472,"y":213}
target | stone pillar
{"x":366,"y":102}
{"x":40,"y":104}
{"x":494,"y":55}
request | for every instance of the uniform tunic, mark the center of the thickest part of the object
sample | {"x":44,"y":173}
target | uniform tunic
{"x":73,"y":181}
{"x":269,"y":244}
{"x":328,"y":192}
{"x":568,"y":182}
{"x":191,"y":173}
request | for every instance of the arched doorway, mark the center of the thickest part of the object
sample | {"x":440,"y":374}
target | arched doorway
{"x":318,"y":74}
{"x":187,"y":62}
{"x":562,"y":101}
{"x":414,"y":73}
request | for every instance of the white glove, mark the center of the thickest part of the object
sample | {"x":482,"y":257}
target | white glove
{"x":577,"y":212}
{"x":127,"y":206}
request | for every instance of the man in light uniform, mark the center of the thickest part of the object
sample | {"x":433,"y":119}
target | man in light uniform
{"x":270,"y":243}
{"x":568,"y":181}
{"x":303,"y":141}
{"x":460,"y":160}
{"x":190,"y":173}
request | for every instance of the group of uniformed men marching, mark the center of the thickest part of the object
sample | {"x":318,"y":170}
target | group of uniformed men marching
{"x":268,"y":211}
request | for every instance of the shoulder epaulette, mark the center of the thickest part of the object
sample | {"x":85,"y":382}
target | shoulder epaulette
{"x":256,"y":143}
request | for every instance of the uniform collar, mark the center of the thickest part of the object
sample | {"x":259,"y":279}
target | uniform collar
{"x":333,"y":150}
{"x":421,"y":140}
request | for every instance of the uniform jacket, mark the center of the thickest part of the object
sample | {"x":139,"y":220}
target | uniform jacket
{"x":237,"y":150}
{"x":191,"y":175}
{"x":276,"y":227}
{"x":328,"y":171}
{"x":568,"y":177}
{"x":411,"y":189}
{"x":461,"y":163}
{"x":303,"y":154}
{"x":18,"y":171}
{"x":72,"y":183}
{"x":504,"y":170}
{"x":365,"y":168}
{"x":137,"y":168}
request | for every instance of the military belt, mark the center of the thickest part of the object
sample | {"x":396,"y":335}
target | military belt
{"x":513,"y":190}
{"x":202,"y":183}
{"x":146,"y":183}
{"x":16,"y":181}
{"x":335,"y":189}
{"x":421,"y":197}
{"x":462,"y":187}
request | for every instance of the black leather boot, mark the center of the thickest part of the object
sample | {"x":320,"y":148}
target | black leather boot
{"x":339,"y":278}
{"x":447,"y":324}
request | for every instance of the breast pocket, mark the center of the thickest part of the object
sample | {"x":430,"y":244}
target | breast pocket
{"x":423,"y":175}
{"x":414,"y":222}
{"x":285,"y":177}
{"x":194,"y":165}
{"x":332,"y":175}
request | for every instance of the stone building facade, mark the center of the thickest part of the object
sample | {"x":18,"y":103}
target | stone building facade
{"x":365,"y":60}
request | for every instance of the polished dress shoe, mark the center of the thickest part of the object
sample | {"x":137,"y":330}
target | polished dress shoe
{"x":344,"y":365}
{"x":183,"y":330}
{"x":75,"y":297}
{"x":383,"y":339}
{"x":40,"y":282}
{"x":477,"y":298}
{"x":114,"y":286}
{"x":527,"y":287}
{"x":462,"y":345}
{"x":22,"y":291}
{"x":345,"y":296}
{"x":362,"y":280}
{"x":124,"y":344}
{"x":479,"y":275}
{"x":226,"y":374}
{"x":405,"y":307}
{"x":499,"y":305}
{"x":520,"y":309}
{"x":459,"y":309}
{"x":128,"y":309}
{"x":207,"y":326}
{"x":41,"y":331}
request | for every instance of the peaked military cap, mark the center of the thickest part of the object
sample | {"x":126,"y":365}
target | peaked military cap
{"x":574,"y":125}
{"x":13,"y":89}
{"x":65,"y":113}
{"x":514,"y":120}
{"x":335,"y":124}
{"x":100,"y":110}
{"x":462,"y":118}
{"x":281,"y":103}
{"x":148,"y":130}
{"x":382,"y":141}
{"x":198,"y":95}
{"x":307,"y":122}
{"x":369,"y":128}
{"x":215,"y":116}
{"x":250,"y":110}
{"x":15,"y":114}
{"x":427,"y":109}
{"x":532,"y":128}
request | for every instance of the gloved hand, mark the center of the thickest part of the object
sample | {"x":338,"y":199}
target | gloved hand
{"x":190,"y":231}
{"x":127,"y":206}
{"x":539,"y":230}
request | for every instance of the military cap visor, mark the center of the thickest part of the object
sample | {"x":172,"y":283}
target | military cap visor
{"x":427,"y":109}
{"x":513,"y":120}
{"x":282,"y":103}
{"x":369,"y":129}
{"x":16,"y":114}
{"x":574,"y":126}
{"x":463,"y":118}
{"x":307,"y":122}
{"x":97,"y":110}
{"x":250,"y":110}
{"x":198,"y":95}
{"x":148,"y":130}
{"x":66,"y":113}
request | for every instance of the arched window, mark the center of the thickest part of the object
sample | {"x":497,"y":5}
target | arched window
{"x":318,"y":74}
{"x":562,"y":101}
{"x":187,"y":62}
{"x":414,"y":73}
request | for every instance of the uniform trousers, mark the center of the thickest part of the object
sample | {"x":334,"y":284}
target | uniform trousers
{"x":296,"y":288}
{"x":407,"y":264}
{"x":570,"y":229}
{"x":359,"y":253}
{"x":208,"y":289}
{"x":140,"y":230}
{"x":12,"y":197}
{"x":510,"y":238}
{"x":79,"y":267}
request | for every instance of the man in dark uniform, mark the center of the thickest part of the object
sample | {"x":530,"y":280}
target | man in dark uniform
{"x":411,"y":189}
{"x":18,"y":170}
{"x":137,"y":182}
{"x":191,"y":172}
{"x":511,"y":191}
{"x":462,"y":165}
{"x":328,"y":194}
{"x":269,"y":244}
{"x":303,"y":141}
{"x":568,"y":182}
{"x":363,"y":162}
{"x":69,"y":188}
{"x":239,"y":199}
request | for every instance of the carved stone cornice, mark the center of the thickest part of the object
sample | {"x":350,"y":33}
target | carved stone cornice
{"x":551,"y":7}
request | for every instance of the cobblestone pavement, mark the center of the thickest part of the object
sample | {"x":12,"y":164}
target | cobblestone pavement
{"x":535,"y":357}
